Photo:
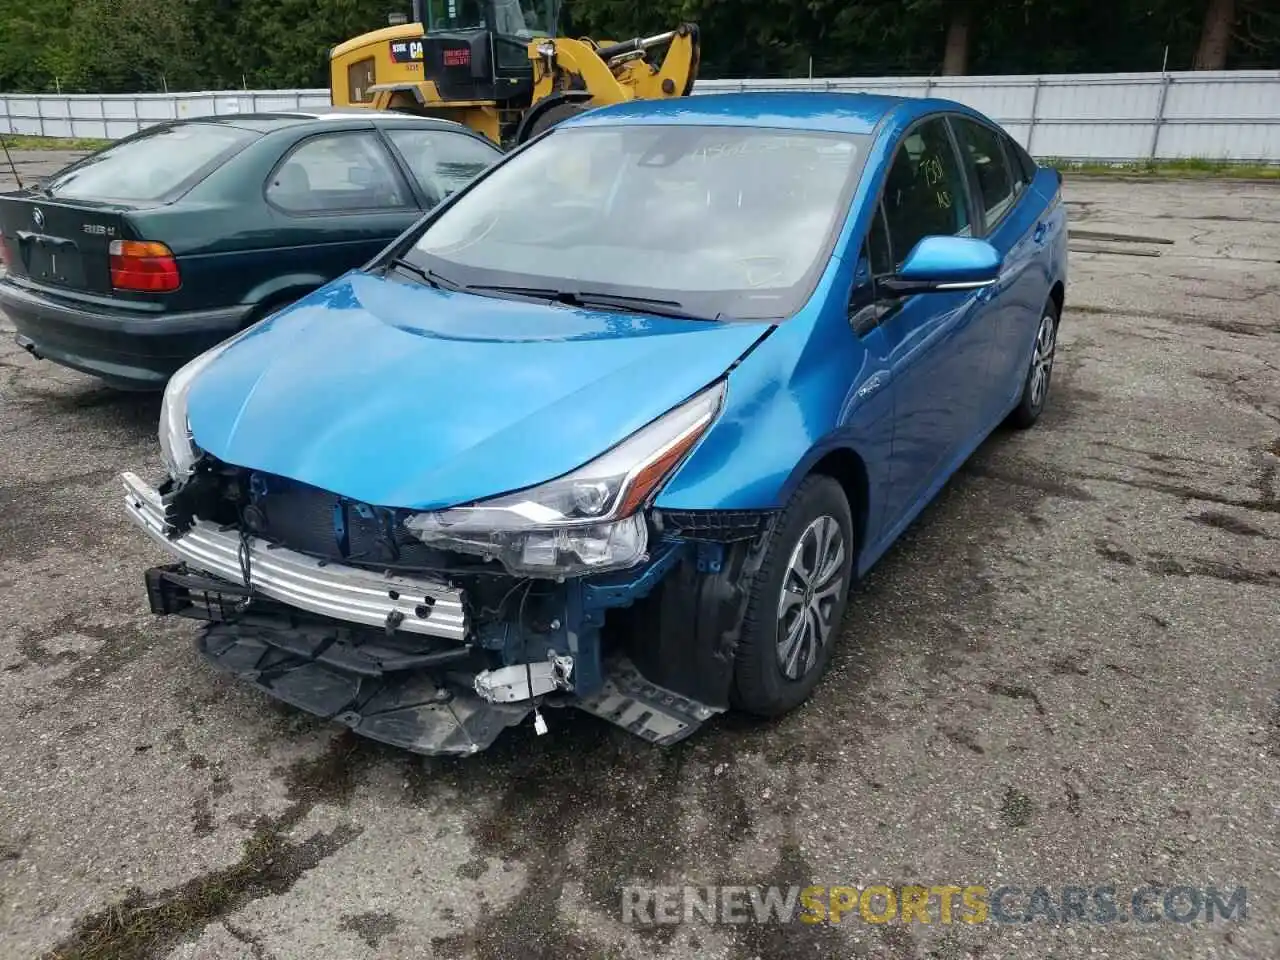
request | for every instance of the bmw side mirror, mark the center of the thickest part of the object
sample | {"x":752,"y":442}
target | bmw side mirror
{"x":942,"y":264}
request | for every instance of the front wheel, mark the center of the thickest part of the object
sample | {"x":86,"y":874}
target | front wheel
{"x":549,"y":117}
{"x":797,"y":601}
{"x":1035,"y":388}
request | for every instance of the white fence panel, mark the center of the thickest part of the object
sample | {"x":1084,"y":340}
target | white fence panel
{"x":1232,"y":115}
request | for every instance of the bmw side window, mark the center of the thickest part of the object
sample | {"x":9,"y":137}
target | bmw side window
{"x":925,"y":193}
{"x":984,"y":152}
{"x":442,"y":162}
{"x":338,"y":173}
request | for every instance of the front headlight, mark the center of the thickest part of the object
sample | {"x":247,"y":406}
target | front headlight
{"x":587,"y":521}
{"x":177,"y":447}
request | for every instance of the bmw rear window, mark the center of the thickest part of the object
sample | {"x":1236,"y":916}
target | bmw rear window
{"x":154,"y":165}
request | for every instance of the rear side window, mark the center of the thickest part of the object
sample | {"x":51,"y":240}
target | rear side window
{"x":983,"y":149}
{"x":442,"y":162}
{"x":338,"y":173}
{"x":1024,"y":168}
{"x":155,"y":165}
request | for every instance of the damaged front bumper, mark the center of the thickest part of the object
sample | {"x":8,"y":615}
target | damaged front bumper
{"x":411,"y":661}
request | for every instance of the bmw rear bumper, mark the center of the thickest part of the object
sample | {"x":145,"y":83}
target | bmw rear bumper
{"x":130,"y":349}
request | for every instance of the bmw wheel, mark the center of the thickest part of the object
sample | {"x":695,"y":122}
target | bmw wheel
{"x":1035,"y":389}
{"x":797,"y":601}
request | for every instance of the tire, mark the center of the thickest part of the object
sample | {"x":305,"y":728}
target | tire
{"x":1035,"y":390}
{"x":552,"y":115}
{"x":761,"y":684}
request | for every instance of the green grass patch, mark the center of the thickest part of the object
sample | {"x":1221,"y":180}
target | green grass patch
{"x":17,"y":141}
{"x":1191,"y":167}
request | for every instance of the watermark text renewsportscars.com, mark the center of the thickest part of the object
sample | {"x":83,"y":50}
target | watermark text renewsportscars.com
{"x":932,"y":904}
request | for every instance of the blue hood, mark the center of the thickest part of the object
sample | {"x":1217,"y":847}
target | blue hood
{"x":400,"y":395}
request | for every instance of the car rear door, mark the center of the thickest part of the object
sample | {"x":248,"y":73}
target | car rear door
{"x":1010,"y":215}
{"x":338,"y":197}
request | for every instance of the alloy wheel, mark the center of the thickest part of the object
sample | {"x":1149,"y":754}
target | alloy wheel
{"x":810,"y":593}
{"x":1042,"y":359}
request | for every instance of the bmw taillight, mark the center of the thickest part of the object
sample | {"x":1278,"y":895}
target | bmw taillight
{"x":144,"y":266}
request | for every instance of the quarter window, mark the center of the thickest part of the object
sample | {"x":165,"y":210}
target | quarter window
{"x":925,"y":191}
{"x":984,"y":151}
{"x":338,"y":173}
{"x":441,"y":162}
{"x":1024,"y":168}
{"x":879,"y":253}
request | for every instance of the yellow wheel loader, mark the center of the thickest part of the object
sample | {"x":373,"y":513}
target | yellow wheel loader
{"x":498,"y":67}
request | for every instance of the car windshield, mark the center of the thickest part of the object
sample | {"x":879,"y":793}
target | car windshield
{"x":728,"y":222}
{"x":151,"y":166}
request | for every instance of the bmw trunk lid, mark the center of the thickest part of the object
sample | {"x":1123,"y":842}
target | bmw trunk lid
{"x":60,"y":244}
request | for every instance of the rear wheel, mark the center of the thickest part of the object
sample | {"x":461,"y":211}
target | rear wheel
{"x":1035,"y":388}
{"x":797,"y":601}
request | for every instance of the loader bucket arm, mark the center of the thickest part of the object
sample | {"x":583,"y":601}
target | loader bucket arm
{"x":616,"y":72}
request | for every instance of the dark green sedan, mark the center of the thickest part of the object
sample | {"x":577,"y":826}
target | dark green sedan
{"x":134,"y":259}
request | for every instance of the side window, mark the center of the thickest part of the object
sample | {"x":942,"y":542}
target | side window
{"x":1024,"y":168}
{"x":442,"y":162}
{"x":984,"y":152}
{"x":925,"y":193}
{"x":338,"y":173}
{"x":359,"y":80}
{"x":879,"y":253}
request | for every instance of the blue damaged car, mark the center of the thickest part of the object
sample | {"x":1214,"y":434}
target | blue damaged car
{"x":618,"y":425}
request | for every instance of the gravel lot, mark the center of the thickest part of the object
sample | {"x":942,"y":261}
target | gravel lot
{"x":1066,"y":673}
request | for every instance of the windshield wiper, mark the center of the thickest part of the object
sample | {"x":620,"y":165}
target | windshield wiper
{"x":654,"y":305}
{"x":429,"y":277}
{"x":536,"y":293}
{"x":607,"y":301}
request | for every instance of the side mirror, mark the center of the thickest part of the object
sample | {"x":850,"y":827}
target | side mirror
{"x":941,"y":264}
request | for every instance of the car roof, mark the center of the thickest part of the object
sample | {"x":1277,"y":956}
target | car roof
{"x":266,"y":122}
{"x":828,"y":112}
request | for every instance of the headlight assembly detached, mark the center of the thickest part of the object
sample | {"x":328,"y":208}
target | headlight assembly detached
{"x":587,"y":521}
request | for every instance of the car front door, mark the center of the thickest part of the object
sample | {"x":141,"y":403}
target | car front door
{"x":936,"y":345}
{"x":338,"y":198}
{"x":1012,"y":222}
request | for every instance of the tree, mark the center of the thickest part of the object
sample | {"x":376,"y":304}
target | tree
{"x":955,"y":61}
{"x":1215,"y":39}
{"x":101,"y":46}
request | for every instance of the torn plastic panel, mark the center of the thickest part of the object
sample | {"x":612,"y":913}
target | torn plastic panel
{"x":434,"y":651}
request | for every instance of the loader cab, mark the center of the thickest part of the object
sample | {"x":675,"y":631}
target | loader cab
{"x":478,"y":49}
